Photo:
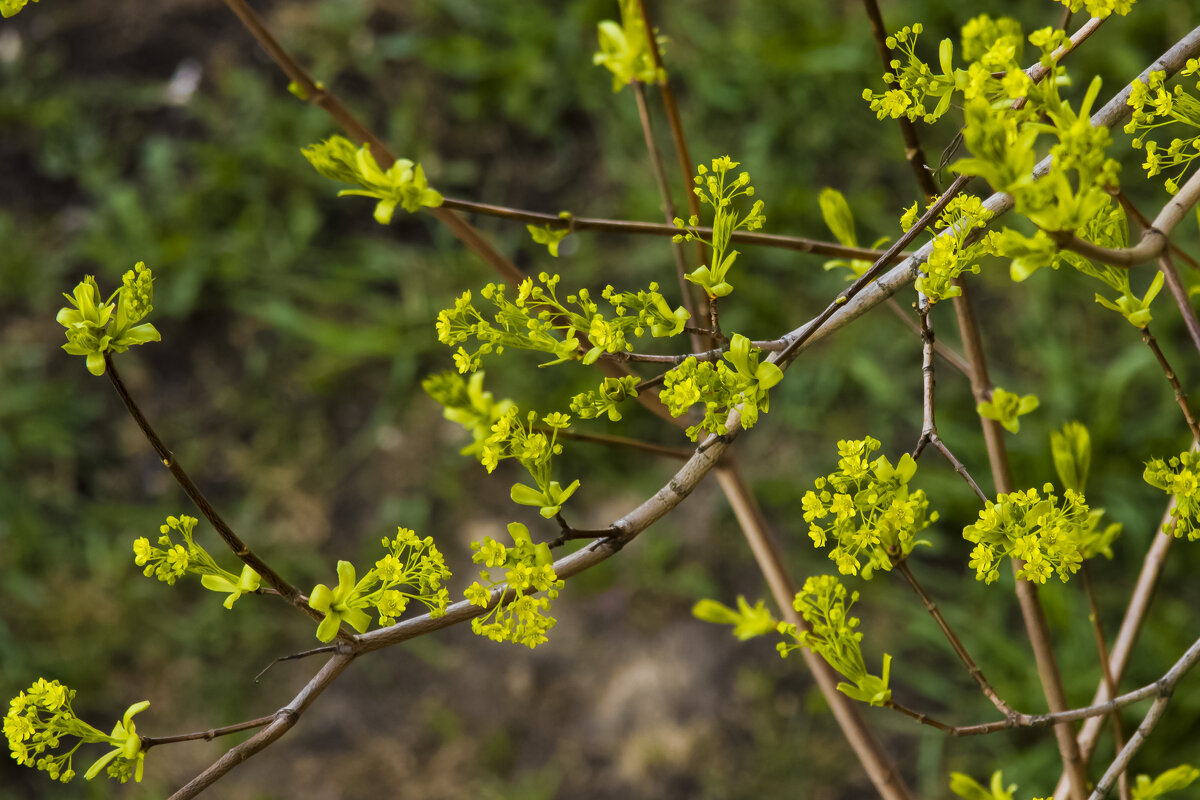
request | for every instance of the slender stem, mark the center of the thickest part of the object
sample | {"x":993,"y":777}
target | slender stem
{"x":317,"y":95}
{"x":285,"y":589}
{"x":664,"y":191}
{"x":952,"y":356}
{"x":937,"y":442}
{"x":1179,"y":292}
{"x":924,"y":719}
{"x":671,"y":108}
{"x":1160,"y":689}
{"x":610,"y":440}
{"x":972,"y":668}
{"x":1110,"y":683}
{"x":329,"y":648}
{"x":208,"y":735}
{"x":882,"y":773}
{"x":799,"y":244}
{"x":1173,"y":379}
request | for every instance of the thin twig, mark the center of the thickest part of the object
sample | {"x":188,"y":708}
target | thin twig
{"x":1110,"y":683}
{"x":952,"y":356}
{"x":317,"y":95}
{"x":660,"y":178}
{"x":208,"y":735}
{"x":610,"y":440}
{"x":1173,"y":379}
{"x":282,"y":721}
{"x":937,"y":442}
{"x":1179,"y":292}
{"x":1160,"y":689}
{"x":285,"y":589}
{"x":972,"y":668}
{"x":331,"y":648}
{"x":798,"y":244}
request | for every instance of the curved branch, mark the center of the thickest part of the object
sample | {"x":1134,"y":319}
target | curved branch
{"x":1154,"y":241}
{"x":240,"y":549}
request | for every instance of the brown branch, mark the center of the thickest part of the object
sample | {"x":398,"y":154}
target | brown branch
{"x":883,"y":775}
{"x":664,"y":192}
{"x":208,"y":735}
{"x":1173,"y":379}
{"x":282,"y":721}
{"x":317,"y":95}
{"x":277,"y":582}
{"x":774,"y":240}
{"x":1110,"y":683}
{"x":1179,"y":292}
{"x":955,"y":643}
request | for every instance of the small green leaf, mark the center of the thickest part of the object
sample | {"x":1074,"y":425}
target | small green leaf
{"x":1072,"y":451}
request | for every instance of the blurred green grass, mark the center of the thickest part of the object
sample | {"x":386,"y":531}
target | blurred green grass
{"x":296,"y":332}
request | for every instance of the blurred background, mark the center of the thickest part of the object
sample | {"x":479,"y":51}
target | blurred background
{"x":296,"y":332}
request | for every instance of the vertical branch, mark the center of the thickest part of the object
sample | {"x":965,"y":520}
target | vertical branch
{"x":1027,"y":594}
{"x":660,"y":178}
{"x":913,"y":153}
{"x":686,"y":165}
{"x":870,"y":754}
{"x":1110,"y":683}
